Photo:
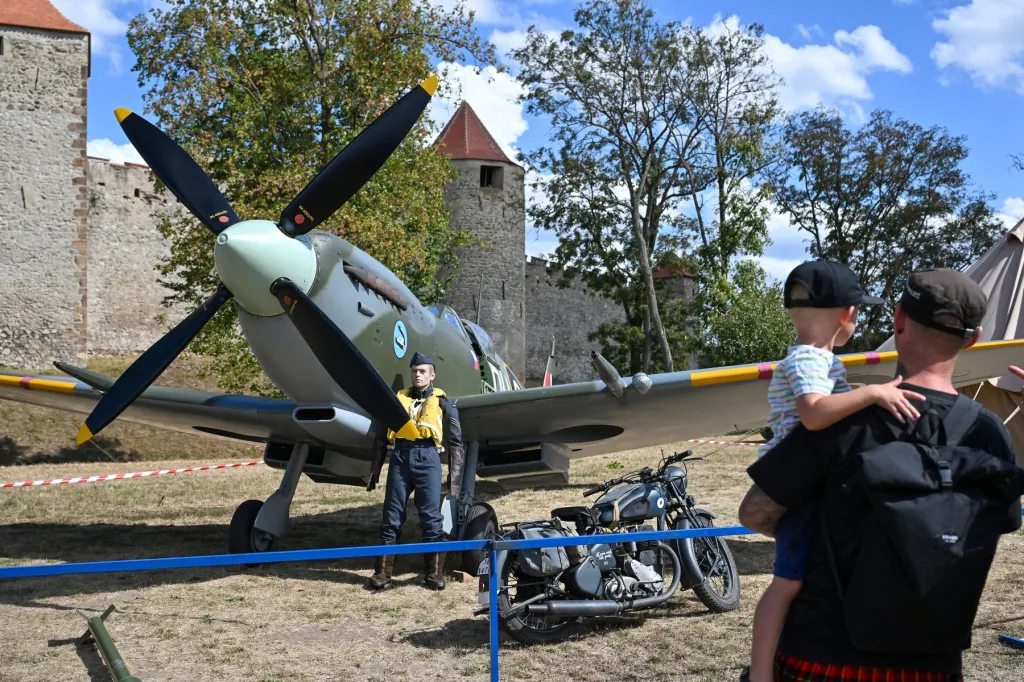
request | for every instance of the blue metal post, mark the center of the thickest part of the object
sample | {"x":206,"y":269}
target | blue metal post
{"x":493,"y":554}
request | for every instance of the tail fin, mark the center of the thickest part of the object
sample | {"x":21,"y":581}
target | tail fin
{"x":549,"y":369}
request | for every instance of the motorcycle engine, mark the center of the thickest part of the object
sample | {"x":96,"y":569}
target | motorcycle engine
{"x":620,"y":586}
{"x":645,"y":577}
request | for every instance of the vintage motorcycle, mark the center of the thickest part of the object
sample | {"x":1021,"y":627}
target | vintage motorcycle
{"x":543,"y":594}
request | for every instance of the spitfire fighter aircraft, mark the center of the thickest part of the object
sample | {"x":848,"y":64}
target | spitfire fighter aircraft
{"x":333,"y":329}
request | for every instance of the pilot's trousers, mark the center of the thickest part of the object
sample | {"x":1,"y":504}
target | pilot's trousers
{"x":413,"y":470}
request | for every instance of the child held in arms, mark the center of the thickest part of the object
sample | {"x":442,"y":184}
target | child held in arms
{"x":809,"y":387}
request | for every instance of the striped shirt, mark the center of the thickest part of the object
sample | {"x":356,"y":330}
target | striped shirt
{"x":804,"y":371}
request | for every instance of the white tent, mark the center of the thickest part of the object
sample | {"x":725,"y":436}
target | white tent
{"x":1000,"y":272}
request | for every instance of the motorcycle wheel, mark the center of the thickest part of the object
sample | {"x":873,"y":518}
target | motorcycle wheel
{"x":523,"y":627}
{"x":720,"y":591}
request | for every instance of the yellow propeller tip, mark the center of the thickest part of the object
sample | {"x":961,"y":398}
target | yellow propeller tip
{"x":84,"y":434}
{"x":430,"y":85}
{"x":409,"y":431}
{"x":122,"y":113}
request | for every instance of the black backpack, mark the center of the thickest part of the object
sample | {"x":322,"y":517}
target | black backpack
{"x":937,"y":510}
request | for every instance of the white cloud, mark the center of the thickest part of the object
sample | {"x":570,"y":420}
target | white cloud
{"x":779,"y":268}
{"x":830,"y":74}
{"x":788,"y":248}
{"x":1012,"y":211}
{"x":103,"y":23}
{"x":491,"y":94}
{"x":876,"y":52}
{"x":983,"y":38}
{"x":808,"y":32}
{"x":117,"y":153}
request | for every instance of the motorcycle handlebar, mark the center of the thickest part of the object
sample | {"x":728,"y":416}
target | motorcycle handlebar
{"x":596,"y":489}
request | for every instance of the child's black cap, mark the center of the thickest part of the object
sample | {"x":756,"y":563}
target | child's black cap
{"x":828,"y":285}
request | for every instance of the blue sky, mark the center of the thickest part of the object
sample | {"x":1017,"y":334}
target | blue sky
{"x":954,"y":63}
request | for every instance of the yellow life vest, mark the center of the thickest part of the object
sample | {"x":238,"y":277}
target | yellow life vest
{"x":425,"y":413}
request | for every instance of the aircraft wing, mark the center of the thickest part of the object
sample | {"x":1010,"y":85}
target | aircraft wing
{"x":232,"y":416}
{"x":589,"y":420}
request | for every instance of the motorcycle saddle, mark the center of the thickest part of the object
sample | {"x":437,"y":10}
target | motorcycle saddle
{"x":573,"y":513}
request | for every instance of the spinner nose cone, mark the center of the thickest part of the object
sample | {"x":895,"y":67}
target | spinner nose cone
{"x":251,"y":255}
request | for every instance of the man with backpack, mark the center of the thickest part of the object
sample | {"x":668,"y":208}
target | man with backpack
{"x":906,"y":517}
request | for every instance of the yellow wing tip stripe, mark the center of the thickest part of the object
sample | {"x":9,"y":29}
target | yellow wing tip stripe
{"x":33,"y":384}
{"x":122,"y":114}
{"x":711,"y":377}
{"x":430,"y":85}
{"x":84,"y":434}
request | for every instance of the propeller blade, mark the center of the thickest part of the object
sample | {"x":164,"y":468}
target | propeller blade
{"x":179,"y":171}
{"x":346,"y":364}
{"x":149,"y":366}
{"x":356,"y":163}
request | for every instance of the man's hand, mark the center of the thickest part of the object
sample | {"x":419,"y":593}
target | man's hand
{"x":896,"y":400}
{"x":760,"y":513}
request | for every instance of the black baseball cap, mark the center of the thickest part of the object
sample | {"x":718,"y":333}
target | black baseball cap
{"x":829,"y":285}
{"x":946,"y":300}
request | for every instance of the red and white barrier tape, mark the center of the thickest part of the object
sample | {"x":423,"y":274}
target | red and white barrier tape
{"x":720,"y":442}
{"x":212,"y":467}
{"x":118,"y":477}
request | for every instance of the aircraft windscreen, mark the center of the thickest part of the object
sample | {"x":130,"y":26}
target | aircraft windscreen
{"x":486,"y":345}
{"x":435,"y":310}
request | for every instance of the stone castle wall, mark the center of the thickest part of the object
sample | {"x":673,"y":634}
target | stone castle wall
{"x":125,"y":297}
{"x":43,"y":197}
{"x":79,"y":246}
{"x":491,"y":275}
{"x":568,"y":314}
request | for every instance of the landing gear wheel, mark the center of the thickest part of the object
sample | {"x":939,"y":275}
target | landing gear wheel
{"x":720,"y":591}
{"x":243,"y":538}
{"x":481,"y":524}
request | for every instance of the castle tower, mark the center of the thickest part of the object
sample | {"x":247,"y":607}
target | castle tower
{"x":487,"y":199}
{"x":44,"y":203}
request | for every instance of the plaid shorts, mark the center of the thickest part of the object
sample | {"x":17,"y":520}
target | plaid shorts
{"x":789,"y":669}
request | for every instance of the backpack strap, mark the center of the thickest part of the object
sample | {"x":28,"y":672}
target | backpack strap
{"x":960,"y":419}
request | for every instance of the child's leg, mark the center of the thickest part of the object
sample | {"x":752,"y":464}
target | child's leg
{"x":768,"y":620}
{"x":792,"y":540}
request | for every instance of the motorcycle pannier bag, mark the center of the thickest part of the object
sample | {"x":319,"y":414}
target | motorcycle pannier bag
{"x":936,"y":512}
{"x":576,"y":553}
{"x":544,"y":561}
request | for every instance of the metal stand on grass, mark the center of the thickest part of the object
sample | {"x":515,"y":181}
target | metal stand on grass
{"x":97,"y":632}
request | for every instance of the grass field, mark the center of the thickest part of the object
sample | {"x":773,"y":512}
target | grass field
{"x":314,"y":622}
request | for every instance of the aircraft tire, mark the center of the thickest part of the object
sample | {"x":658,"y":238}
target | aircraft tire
{"x":243,"y":538}
{"x":481,"y":524}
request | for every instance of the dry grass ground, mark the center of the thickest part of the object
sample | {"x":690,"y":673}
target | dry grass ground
{"x":314,"y":622}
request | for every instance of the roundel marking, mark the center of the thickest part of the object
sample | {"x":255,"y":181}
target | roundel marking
{"x":661,"y":503}
{"x":400,"y":339}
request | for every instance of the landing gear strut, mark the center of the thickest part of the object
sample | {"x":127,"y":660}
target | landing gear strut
{"x":255,"y":525}
{"x":477,"y":520}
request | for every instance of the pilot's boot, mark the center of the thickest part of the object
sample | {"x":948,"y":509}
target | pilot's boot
{"x":434,"y":578}
{"x":382,"y":571}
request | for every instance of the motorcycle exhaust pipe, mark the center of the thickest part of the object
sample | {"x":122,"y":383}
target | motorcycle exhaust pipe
{"x":585,"y":608}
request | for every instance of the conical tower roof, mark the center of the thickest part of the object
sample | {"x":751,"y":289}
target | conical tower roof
{"x":36,"y":14}
{"x":465,"y":137}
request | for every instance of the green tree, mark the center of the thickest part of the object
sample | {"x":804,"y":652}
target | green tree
{"x":646,"y":117}
{"x":745,"y":320}
{"x":263,"y":94}
{"x":887,"y":199}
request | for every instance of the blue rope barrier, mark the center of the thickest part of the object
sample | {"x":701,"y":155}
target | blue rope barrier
{"x":616,"y":538}
{"x":492,"y":547}
{"x":237,"y":559}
